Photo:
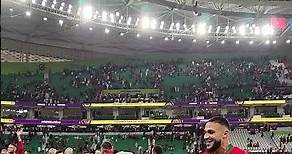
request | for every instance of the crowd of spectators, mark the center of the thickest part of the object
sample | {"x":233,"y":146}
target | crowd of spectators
{"x":200,"y":79}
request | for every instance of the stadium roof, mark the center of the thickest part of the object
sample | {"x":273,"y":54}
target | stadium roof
{"x":44,"y":22}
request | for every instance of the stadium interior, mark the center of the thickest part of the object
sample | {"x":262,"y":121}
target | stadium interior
{"x":140,"y":73}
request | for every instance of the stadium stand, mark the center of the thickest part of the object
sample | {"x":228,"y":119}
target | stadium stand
{"x":15,"y":56}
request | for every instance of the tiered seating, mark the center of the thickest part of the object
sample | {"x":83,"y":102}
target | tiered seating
{"x":240,"y":137}
{"x":14,"y":56}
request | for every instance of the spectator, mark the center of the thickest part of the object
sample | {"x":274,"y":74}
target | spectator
{"x":157,"y":150}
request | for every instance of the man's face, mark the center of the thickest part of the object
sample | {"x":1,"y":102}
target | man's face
{"x":214,"y":135}
{"x":11,"y":148}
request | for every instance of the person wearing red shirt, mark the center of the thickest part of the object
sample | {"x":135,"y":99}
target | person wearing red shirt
{"x":216,"y":137}
{"x":18,"y":147}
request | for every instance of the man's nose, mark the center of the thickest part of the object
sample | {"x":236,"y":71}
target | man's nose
{"x":206,"y":136}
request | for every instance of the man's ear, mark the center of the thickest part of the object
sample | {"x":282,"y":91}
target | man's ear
{"x":226,"y":133}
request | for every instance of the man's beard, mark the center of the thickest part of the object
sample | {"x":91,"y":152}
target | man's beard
{"x":216,"y":145}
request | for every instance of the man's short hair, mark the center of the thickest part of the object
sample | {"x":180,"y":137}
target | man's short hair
{"x":157,"y":149}
{"x":220,"y":120}
{"x":106,"y":145}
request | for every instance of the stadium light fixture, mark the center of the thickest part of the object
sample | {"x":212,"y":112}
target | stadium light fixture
{"x":53,"y":6}
{"x":122,"y":34}
{"x":61,"y":22}
{"x":112,"y":18}
{"x":10,"y":9}
{"x":267,"y":42}
{"x":185,"y":27}
{"x":242,"y":30}
{"x":234,"y":29}
{"x":237,"y":41}
{"x":117,"y":14}
{"x":63,"y":4}
{"x":90,"y":28}
{"x":251,"y":42}
{"x":267,"y":30}
{"x":274,"y":42}
{"x":106,"y":30}
{"x":33,"y":1}
{"x":210,"y":29}
{"x":179,"y":40}
{"x":150,"y":37}
{"x":223,"y":42}
{"x":79,"y":11}
{"x":145,"y":22}
{"x":28,"y":13}
{"x":171,"y":26}
{"x":87,"y":12}
{"x":137,"y":21}
{"x":61,"y":8}
{"x":166,"y":39}
{"x":138,"y":35}
{"x":217,"y":29}
{"x":207,"y":41}
{"x":104,"y":16}
{"x":202,"y":28}
{"x":257,"y":30}
{"x":45,"y":18}
{"x":129,"y":21}
{"x":54,"y":1}
{"x":226,"y":29}
{"x":193,"y":28}
{"x":121,"y":19}
{"x":177,"y":26}
{"x":153,"y":24}
{"x":161,"y":25}
{"x":77,"y":25}
{"x":44,"y":2}
{"x":288,"y":41}
{"x":194,"y":40}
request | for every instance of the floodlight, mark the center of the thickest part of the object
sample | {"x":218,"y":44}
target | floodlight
{"x":129,"y":21}
{"x":27,"y":13}
{"x":210,"y":29}
{"x":61,"y":22}
{"x":226,"y":29}
{"x":104,"y":16}
{"x":153,"y":24}
{"x":87,"y":12}
{"x":179,"y":40}
{"x":251,"y":42}
{"x":177,"y":26}
{"x":45,"y":18}
{"x":161,"y":24}
{"x":150,"y":37}
{"x":138,"y":35}
{"x":145,"y":22}
{"x":201,"y":28}
{"x":106,"y":30}
{"x":122,"y":34}
{"x":237,"y":41}
{"x":90,"y":28}
{"x":288,"y":41}
{"x":267,"y":42}
{"x":223,"y":42}
{"x":10,"y":9}
{"x":217,"y":29}
{"x":242,"y":30}
{"x":166,"y":38}
{"x":274,"y":42}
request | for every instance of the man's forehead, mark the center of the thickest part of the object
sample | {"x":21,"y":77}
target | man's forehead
{"x":212,"y":126}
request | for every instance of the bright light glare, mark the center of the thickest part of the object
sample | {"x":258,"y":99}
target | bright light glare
{"x":218,"y":29}
{"x":44,"y":3}
{"x":179,"y":40}
{"x":177,"y":25}
{"x":45,"y":18}
{"x":226,"y":29}
{"x":53,"y":6}
{"x":166,"y":38}
{"x":90,"y":28}
{"x":207,"y":41}
{"x":61,"y":22}
{"x":122,"y":34}
{"x":106,"y":30}
{"x":33,"y":1}
{"x":27,"y":13}
{"x":137,"y":22}
{"x":288,"y":41}
{"x":193,"y":28}
{"x":145,"y":22}
{"x":250,"y":42}
{"x":10,"y":9}
{"x":112,"y":18}
{"x":129,"y":21}
{"x":267,"y":30}
{"x":63,"y":4}
{"x":242,"y":30}
{"x":54,"y":2}
{"x":223,"y":42}
{"x":194,"y":41}
{"x":202,"y":28}
{"x":274,"y":42}
{"x":150,"y":37}
{"x":171,"y":26}
{"x":153,"y":24}
{"x":161,"y":24}
{"x":257,"y":30}
{"x":87,"y":12}
{"x":104,"y":15}
{"x":267,"y":42}
{"x":210,"y":29}
{"x":138,"y":35}
{"x":237,"y":42}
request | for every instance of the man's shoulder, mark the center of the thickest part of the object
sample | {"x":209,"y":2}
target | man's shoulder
{"x":237,"y":150}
